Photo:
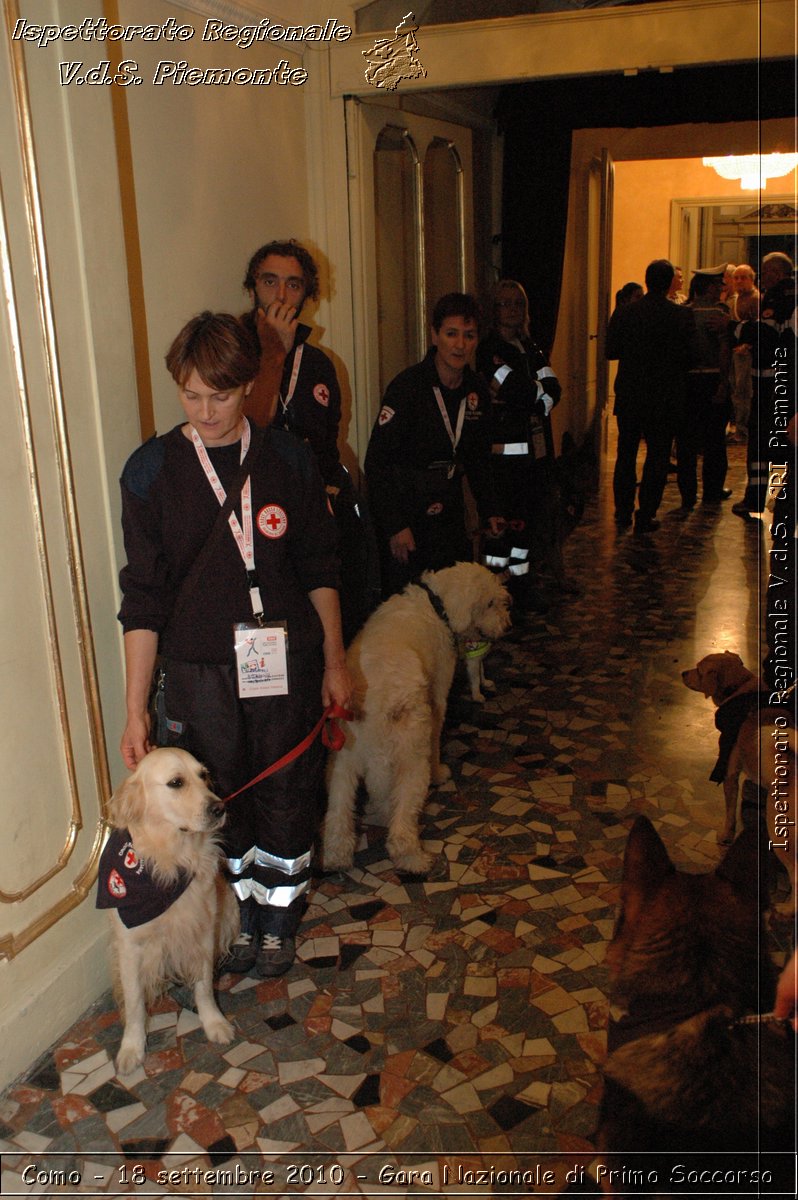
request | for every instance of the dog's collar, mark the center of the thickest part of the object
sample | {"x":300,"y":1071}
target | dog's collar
{"x":436,"y":603}
{"x":630,"y":1027}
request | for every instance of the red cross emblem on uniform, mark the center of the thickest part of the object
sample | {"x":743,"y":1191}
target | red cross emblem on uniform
{"x":272,"y":521}
{"x":131,"y":859}
{"x":385,"y":415}
{"x":472,"y":400}
{"x":116,"y":885}
{"x":322,"y":393}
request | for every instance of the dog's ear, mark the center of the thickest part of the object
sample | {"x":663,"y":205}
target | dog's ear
{"x":645,"y":865}
{"x":458,"y":588}
{"x":732,"y":671}
{"x":708,"y":677}
{"x":745,"y":866}
{"x":127,"y":805}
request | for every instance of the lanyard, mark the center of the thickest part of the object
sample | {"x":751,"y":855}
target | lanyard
{"x":243,"y":537}
{"x":294,"y":376}
{"x":454,"y":436}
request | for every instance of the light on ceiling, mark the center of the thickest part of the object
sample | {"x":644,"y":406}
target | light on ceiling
{"x":753,"y":170}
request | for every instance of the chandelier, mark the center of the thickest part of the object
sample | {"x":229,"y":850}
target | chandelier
{"x":753,"y":170}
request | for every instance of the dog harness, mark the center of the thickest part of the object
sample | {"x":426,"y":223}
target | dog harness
{"x":124,"y":883}
{"x":729,"y":718}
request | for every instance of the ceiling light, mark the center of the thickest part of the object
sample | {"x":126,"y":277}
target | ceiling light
{"x":753,"y":170}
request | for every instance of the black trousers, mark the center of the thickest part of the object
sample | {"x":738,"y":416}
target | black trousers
{"x":270,"y":828}
{"x":702,"y":431}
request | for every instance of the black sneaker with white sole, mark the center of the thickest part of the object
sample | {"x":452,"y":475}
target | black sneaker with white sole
{"x":275,"y":955}
{"x":242,"y":955}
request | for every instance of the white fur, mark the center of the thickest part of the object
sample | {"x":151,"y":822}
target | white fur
{"x":172,"y":817}
{"x":401,"y":664}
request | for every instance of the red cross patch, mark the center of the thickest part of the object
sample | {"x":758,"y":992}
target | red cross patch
{"x":435,"y":509}
{"x":131,"y":859}
{"x":272,"y":521}
{"x":472,"y":400}
{"x":385,"y":415}
{"x":116,"y":885}
{"x":322,"y":393}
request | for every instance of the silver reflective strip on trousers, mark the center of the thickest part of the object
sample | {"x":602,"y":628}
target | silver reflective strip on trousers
{"x":494,"y":560}
{"x":277,"y":897}
{"x":519,"y":568}
{"x":288,"y":866}
{"x":510,"y":448}
{"x":262,"y":858}
{"x":519,"y":552}
{"x":237,"y":866}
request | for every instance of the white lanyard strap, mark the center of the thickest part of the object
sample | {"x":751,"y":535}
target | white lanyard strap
{"x":454,"y":436}
{"x":294,"y":376}
{"x":243,"y":537}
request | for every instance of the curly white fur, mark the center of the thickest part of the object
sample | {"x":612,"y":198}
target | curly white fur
{"x":402,"y":663}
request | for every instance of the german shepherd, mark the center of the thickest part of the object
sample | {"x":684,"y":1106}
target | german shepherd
{"x":691,"y":1089}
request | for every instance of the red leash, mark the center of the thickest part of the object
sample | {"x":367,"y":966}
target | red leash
{"x":331,"y":734}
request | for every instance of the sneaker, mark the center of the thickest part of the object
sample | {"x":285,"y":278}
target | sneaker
{"x":241,"y":956}
{"x":275,"y":956}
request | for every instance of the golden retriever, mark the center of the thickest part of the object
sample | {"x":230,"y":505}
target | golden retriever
{"x":401,"y":664}
{"x":762,"y":746}
{"x":163,"y":851}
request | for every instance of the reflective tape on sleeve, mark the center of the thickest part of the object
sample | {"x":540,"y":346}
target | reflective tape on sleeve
{"x":501,"y":374}
{"x":507,"y":448}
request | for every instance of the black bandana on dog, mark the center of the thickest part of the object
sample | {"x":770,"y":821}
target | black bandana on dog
{"x":124,"y":883}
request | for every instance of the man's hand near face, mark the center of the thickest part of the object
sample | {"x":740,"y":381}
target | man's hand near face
{"x":281,"y":319}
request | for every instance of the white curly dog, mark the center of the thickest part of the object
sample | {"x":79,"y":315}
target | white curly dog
{"x":402,"y":663}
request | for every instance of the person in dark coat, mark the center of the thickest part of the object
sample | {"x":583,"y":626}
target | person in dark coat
{"x":654,"y":341}
{"x":524,"y":390}
{"x":431,"y":433}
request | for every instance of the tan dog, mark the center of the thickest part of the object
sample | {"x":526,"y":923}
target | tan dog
{"x":401,"y":664}
{"x":761,"y":745}
{"x":174,"y":913}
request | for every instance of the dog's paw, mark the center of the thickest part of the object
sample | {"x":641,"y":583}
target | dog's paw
{"x":129,"y":1058}
{"x":725,"y":837}
{"x":218,"y":1029}
{"x":440,"y":773}
{"x":489,"y":685}
{"x":413,"y":862}
{"x":478,"y":697}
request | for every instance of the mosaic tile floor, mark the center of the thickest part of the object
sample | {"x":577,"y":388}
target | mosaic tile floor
{"x":457,"y":1024}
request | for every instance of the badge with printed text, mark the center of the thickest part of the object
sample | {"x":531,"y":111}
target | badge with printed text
{"x":321,"y":393}
{"x":261,"y":653}
{"x":272,"y":521}
{"x":116,"y":885}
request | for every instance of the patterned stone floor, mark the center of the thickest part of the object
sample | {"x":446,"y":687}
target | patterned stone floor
{"x":457,"y":1024}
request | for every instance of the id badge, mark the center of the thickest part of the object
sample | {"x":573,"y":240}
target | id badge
{"x":538,"y":440}
{"x":261,"y":658}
